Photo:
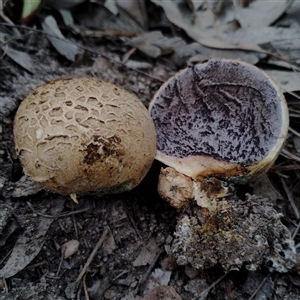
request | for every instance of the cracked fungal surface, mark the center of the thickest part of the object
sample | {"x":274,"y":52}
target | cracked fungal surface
{"x":83,"y":134}
{"x":223,"y":109}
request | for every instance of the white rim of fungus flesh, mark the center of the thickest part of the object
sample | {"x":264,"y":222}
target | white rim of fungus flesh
{"x":204,"y":164}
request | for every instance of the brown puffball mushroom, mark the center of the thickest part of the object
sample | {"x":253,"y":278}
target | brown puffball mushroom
{"x":80,"y":135}
{"x":221,"y":119}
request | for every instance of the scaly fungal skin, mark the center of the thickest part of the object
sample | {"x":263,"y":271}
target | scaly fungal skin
{"x":79,"y":135}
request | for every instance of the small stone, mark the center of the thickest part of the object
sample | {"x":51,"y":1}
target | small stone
{"x":191,"y":272}
{"x":169,"y":263}
{"x":162,"y":293}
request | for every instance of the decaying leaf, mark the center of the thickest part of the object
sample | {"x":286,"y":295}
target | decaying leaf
{"x":197,"y":287}
{"x":202,"y":31}
{"x":288,"y":81}
{"x":219,"y":33}
{"x":69,"y":248}
{"x":109,"y":244}
{"x":264,"y":187}
{"x":111,"y":6}
{"x":99,"y":17}
{"x":19,"y":57}
{"x":136,"y":9}
{"x":260,"y":14}
{"x":288,"y":48}
{"x":5,"y":214}
{"x":162,"y":293}
{"x":32,"y":239}
{"x":147,"y":254}
{"x":25,"y":187}
{"x":158,"y":277}
{"x":57,"y":39}
{"x":7,"y":105}
{"x":155,"y":44}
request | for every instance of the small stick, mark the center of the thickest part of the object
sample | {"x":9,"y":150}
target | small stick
{"x":59,"y":215}
{"x":75,"y":226}
{"x":137,"y":235}
{"x":79,"y":292}
{"x":85,"y":288}
{"x":228,"y":289}
{"x":147,"y":274}
{"x":295,"y":132}
{"x":60,"y":262}
{"x":291,"y":199}
{"x":290,"y":155}
{"x":127,"y":55}
{"x":296,"y":231}
{"x":206,"y":291}
{"x":91,"y":257}
{"x":259,"y":287}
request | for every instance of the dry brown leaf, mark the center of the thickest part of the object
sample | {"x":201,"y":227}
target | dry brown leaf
{"x":157,"y":278}
{"x":100,"y":17}
{"x":287,"y":80}
{"x":19,"y":57}
{"x":57,"y":39}
{"x":136,"y":9}
{"x":26,"y":248}
{"x":260,"y":14}
{"x":205,"y":53}
{"x":109,"y":244}
{"x":154,"y":44}
{"x":111,"y":6}
{"x":69,"y":248}
{"x":217,"y":33}
{"x":147,"y":254}
{"x":202,"y":31}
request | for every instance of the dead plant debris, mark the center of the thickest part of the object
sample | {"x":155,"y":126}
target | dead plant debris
{"x":122,"y":246}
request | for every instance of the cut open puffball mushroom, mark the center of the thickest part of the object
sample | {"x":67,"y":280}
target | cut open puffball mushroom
{"x":221,"y":119}
{"x":80,"y":135}
{"x":219,"y":123}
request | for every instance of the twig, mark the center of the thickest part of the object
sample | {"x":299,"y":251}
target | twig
{"x":85,"y":288}
{"x":6,"y":19}
{"x":84,"y":48}
{"x":59,"y":215}
{"x":127,"y":55}
{"x":289,"y":167}
{"x":228,"y":289}
{"x":295,"y":132}
{"x":137,"y":234}
{"x":33,"y":266}
{"x":289,"y":155}
{"x":148,"y":272}
{"x":79,"y":292}
{"x":91,"y":257}
{"x":290,"y":198}
{"x":128,"y":67}
{"x":296,"y":96}
{"x":60,"y":262}
{"x":5,"y":285}
{"x":206,"y":291}
{"x":296,"y":231}
{"x":259,"y":287}
{"x":75,"y":226}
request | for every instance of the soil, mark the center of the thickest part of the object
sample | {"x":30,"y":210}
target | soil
{"x":138,"y":225}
